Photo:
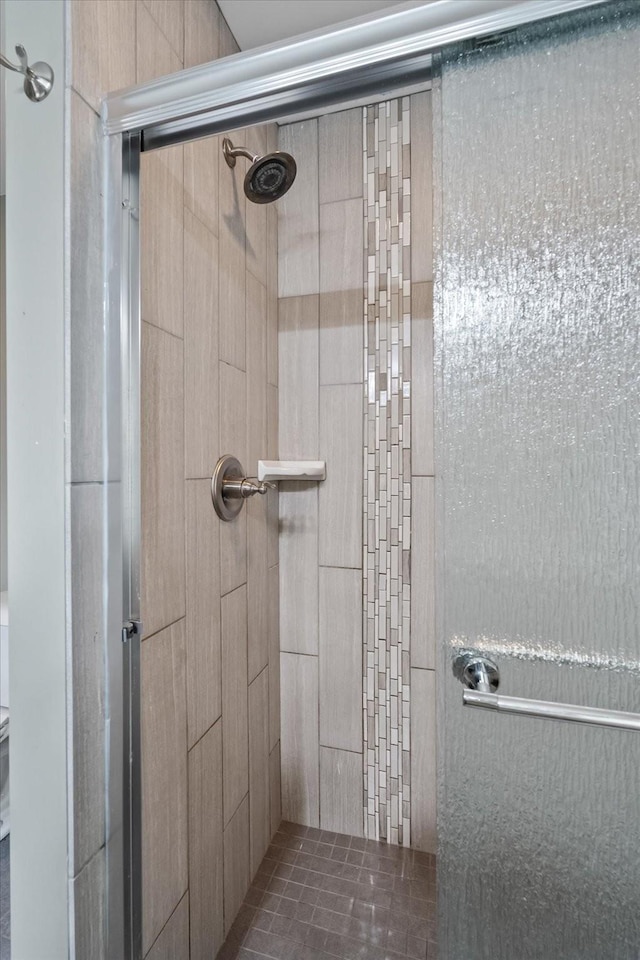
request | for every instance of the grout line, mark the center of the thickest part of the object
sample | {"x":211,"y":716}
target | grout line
{"x":166,"y":626}
{"x":197,"y":218}
{"x":296,"y":653}
{"x":156,"y":326}
{"x":203,"y":735}
{"x":180,"y":56}
{"x":167,"y":921}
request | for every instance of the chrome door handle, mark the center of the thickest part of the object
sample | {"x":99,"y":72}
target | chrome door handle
{"x":481,"y":678}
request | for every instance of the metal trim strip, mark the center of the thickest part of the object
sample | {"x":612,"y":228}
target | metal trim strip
{"x":315,"y":64}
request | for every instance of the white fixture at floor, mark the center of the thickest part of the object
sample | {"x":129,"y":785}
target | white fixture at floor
{"x":308,"y":470}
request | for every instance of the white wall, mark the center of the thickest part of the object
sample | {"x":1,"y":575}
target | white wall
{"x":35,"y":175}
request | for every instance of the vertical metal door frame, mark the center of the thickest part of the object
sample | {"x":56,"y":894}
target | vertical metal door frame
{"x":123,"y":519}
{"x":130,"y":333}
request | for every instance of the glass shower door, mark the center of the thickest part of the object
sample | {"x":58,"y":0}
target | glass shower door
{"x":538,"y":371}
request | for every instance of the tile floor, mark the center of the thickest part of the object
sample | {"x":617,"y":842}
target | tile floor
{"x":321,"y":895}
{"x":5,"y":917}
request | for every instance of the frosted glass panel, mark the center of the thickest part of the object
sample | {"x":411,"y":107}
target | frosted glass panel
{"x":538,"y":362}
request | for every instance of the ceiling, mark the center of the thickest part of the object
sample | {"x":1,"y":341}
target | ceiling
{"x":258,"y":22}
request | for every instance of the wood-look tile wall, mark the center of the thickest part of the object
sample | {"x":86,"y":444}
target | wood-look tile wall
{"x":321,"y":337}
{"x":320,"y":351}
{"x":210,"y":654}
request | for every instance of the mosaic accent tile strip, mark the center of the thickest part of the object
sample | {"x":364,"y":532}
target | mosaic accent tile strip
{"x":387,"y":470}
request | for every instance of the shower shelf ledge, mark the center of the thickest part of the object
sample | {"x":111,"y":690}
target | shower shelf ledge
{"x":307,"y":470}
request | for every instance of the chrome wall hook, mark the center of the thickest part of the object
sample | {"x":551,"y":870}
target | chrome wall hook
{"x":38,"y":78}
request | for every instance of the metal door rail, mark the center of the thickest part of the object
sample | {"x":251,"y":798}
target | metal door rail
{"x":520,"y":706}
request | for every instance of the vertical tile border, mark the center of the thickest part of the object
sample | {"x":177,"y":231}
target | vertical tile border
{"x":387,"y":470}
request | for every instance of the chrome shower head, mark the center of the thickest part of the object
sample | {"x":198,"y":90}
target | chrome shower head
{"x":268,"y":178}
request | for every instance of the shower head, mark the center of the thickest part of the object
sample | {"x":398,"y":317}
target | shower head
{"x":268,"y":178}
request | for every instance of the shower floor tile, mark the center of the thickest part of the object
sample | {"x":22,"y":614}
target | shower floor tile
{"x":321,"y":896}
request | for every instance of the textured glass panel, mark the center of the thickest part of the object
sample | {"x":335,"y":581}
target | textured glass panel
{"x":538,"y":329}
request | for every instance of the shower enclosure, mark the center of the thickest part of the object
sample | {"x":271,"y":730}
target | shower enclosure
{"x":535,"y":460}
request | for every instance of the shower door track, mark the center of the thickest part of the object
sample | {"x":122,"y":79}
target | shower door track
{"x":366,"y":58}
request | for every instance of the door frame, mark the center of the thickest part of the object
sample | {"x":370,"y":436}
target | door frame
{"x":359,"y":61}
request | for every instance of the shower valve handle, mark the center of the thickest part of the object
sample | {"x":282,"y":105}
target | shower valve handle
{"x":241,"y":488}
{"x":230,"y":488}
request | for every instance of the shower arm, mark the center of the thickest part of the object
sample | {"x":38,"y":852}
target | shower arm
{"x":231,"y":152}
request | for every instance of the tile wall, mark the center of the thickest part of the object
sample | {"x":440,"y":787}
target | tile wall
{"x":210,"y":673}
{"x":332,"y":777}
{"x":387,"y":470}
{"x":320,"y":417}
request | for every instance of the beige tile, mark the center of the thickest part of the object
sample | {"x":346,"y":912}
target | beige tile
{"x":205,"y":845}
{"x":89,"y":899}
{"x":88,"y":670}
{"x":342,"y":337}
{"x":274,"y":781}
{"x":232,"y":305}
{"x":341,"y":155}
{"x":421,"y":188}
{"x":201,"y":32}
{"x":273,"y":523}
{"x":272,"y":295}
{"x":99,"y":68}
{"x":155,"y":55}
{"x":341,"y":246}
{"x":233,"y":553}
{"x":272,"y":143}
{"x":341,"y":791}
{"x":423,"y":760}
{"x":298,"y":349}
{"x":341,"y":658}
{"x":299,"y":567}
{"x":423,"y":558}
{"x":232,"y":236}
{"x":201,"y":161}
{"x":422,"y":458}
{"x":233,"y":412}
{"x":204,"y":697}
{"x":228,"y":44}
{"x":164,"y":778}
{"x":298,"y":216}
{"x":256,"y":142}
{"x":169,"y":15}
{"x":163,"y":559}
{"x":299,"y":739}
{"x":259,"y":787}
{"x":274,"y":656}
{"x":161,"y":239}
{"x":257,"y":586}
{"x":340,"y":495}
{"x":86,"y":366}
{"x":236,"y":863}
{"x":201,"y":425}
{"x":256,"y":374}
{"x":235,"y":735}
{"x":173,"y":942}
